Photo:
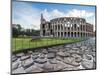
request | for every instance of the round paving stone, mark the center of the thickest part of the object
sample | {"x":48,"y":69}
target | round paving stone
{"x":40,"y":60}
{"x":68,"y":60}
{"x":59,"y":66}
{"x":59,"y":58}
{"x":33,"y":69}
{"x":87,"y":64}
{"x":48,"y":67}
{"x":24,"y":57}
{"x":20,"y":54}
{"x":52,"y":50}
{"x":14,"y":59}
{"x":67,"y":54}
{"x":53,"y":61}
{"x":50,"y":55}
{"x":30,"y":52}
{"x":18,"y":70}
{"x":83,"y":47}
{"x":74,"y":63}
{"x":88,"y":57}
{"x":75,"y":48}
{"x":77,"y":57}
{"x":61,"y":54}
{"x":27,"y":63}
{"x":44,"y":51}
{"x":42,"y":56}
{"x":35,"y":57}
{"x":15,"y":65}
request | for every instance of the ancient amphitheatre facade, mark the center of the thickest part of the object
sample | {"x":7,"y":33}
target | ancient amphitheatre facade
{"x":69,"y":27}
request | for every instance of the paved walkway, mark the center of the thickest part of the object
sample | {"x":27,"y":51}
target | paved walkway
{"x":75,"y":56}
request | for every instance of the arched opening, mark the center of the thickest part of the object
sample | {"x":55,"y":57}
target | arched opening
{"x":58,"y":34}
{"x":71,"y":34}
{"x":68,"y":28}
{"x":81,"y":27}
{"x":43,"y":32}
{"x":49,"y":25}
{"x":61,"y":27}
{"x":61,"y":34}
{"x":68,"y":34}
{"x":51,"y":32}
{"x":58,"y":27}
{"x":75,"y":26}
{"x":65,"y":34}
{"x":78,"y":34}
{"x":81,"y":34}
{"x":43,"y":25}
{"x":75,"y":34}
{"x":86,"y":34}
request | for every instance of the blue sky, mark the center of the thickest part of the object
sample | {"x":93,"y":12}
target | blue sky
{"x":28,"y":13}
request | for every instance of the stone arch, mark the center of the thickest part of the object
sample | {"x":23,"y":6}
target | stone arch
{"x":78,"y":34}
{"x":65,"y":34}
{"x":75,"y":34}
{"x":68,"y":34}
{"x":75,"y":25}
{"x":58,"y":34}
{"x":43,"y":32}
{"x":58,"y":27}
{"x":71,"y":34}
{"x":81,"y":34}
{"x":43,"y":25}
{"x":61,"y":34}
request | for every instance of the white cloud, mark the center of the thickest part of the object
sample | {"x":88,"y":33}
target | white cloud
{"x":89,"y":16}
{"x":80,"y":13}
{"x":29,"y":17}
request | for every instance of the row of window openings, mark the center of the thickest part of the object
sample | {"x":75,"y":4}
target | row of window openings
{"x":68,"y":35}
{"x":73,"y":21}
{"x":73,"y":34}
{"x":75,"y":25}
{"x":68,"y":27}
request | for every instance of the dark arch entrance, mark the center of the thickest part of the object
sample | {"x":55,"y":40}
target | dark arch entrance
{"x":81,"y":34}
{"x":71,"y":34}
{"x":75,"y":34}
{"x":43,"y":32}
{"x":75,"y":26}
{"x":78,"y":34}
{"x":68,"y":34}
{"x":58,"y":34}
{"x":65,"y":34}
{"x":61,"y":34}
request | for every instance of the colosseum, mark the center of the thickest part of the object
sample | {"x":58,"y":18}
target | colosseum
{"x":65,"y":27}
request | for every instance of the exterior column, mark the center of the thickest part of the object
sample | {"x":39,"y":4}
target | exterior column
{"x":41,"y":30}
{"x":53,"y":28}
{"x":73,"y":34}
{"x":63,"y":30}
{"x":79,"y":30}
{"x":85,"y":30}
{"x":57,"y":29}
{"x":82,"y":29}
{"x":60,"y":30}
{"x":70,"y":30}
{"x":76,"y":30}
{"x":73,"y":29}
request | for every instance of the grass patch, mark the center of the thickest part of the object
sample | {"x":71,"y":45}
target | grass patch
{"x":24,"y":43}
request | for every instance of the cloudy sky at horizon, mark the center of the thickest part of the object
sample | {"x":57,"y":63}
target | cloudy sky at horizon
{"x":28,"y":14}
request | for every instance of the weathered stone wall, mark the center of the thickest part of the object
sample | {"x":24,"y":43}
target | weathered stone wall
{"x":66,"y":27}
